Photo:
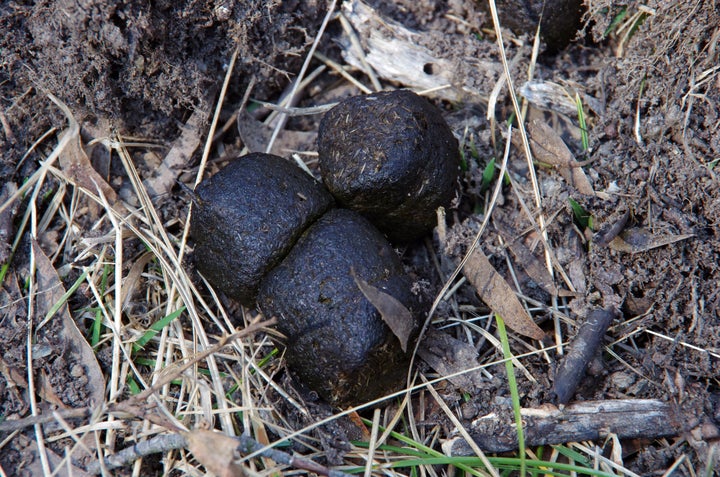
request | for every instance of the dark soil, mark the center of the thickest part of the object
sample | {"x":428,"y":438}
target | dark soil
{"x":651,"y":91}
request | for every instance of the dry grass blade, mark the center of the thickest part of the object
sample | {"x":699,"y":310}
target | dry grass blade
{"x":303,"y":69}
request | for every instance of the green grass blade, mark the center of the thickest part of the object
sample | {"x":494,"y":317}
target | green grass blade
{"x":488,"y":175}
{"x":583,"y":125}
{"x":63,"y":299}
{"x":512,"y":383}
{"x":616,"y":21}
{"x":156,"y":328}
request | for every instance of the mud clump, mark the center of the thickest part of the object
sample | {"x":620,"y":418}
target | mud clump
{"x":391,"y":157}
{"x":337,"y":342}
{"x":247,"y":217}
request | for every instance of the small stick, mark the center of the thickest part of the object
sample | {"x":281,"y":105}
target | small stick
{"x":582,"y":349}
{"x":19,"y":424}
{"x":161,"y":443}
{"x":248,"y":445}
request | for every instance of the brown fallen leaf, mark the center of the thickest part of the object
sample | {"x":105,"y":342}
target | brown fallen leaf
{"x":355,"y":418}
{"x":133,"y":277}
{"x":61,"y":466}
{"x":610,"y":230}
{"x":50,"y":293}
{"x":548,"y":147}
{"x":393,"y":312}
{"x":638,"y":240}
{"x":180,"y":154}
{"x":530,"y":262}
{"x":497,"y":294}
{"x":14,"y":377}
{"x":216,"y":451}
{"x":74,"y":161}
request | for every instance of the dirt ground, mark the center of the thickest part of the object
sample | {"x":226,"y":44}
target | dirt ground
{"x":648,"y":77}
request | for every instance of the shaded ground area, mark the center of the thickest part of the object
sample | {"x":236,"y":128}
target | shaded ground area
{"x":648,"y":79}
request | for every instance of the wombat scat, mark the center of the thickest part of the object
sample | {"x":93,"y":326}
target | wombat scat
{"x":392,"y":157}
{"x":264,"y":229}
{"x":337,"y":342}
{"x":261,"y":223}
{"x":247,"y":217}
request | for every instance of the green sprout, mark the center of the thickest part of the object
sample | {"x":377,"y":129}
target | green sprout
{"x":583,"y":218}
{"x":583,"y":125}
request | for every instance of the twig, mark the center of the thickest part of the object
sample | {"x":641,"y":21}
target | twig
{"x":581,"y":421}
{"x":162,"y":443}
{"x":19,"y":424}
{"x":294,"y":111}
{"x":248,"y":446}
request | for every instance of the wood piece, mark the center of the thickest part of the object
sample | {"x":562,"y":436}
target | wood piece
{"x":7,"y":216}
{"x":581,"y":350}
{"x":452,"y":66}
{"x":589,"y":420}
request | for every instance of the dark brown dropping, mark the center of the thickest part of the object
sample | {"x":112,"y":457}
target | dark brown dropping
{"x":337,"y":343}
{"x":559,"y":20}
{"x":247,"y":217}
{"x":392,"y":157}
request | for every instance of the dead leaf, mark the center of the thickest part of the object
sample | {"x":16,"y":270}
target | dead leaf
{"x":610,"y":230}
{"x":355,"y":418}
{"x":50,"y":293}
{"x":532,"y":265}
{"x":548,"y":147}
{"x":497,"y":294}
{"x":550,"y":96}
{"x":133,"y":277}
{"x":180,"y":154}
{"x":216,"y":451}
{"x":60,"y":465}
{"x":14,"y":377}
{"x":641,"y":240}
{"x":449,"y":356}
{"x":75,"y":163}
{"x":393,"y":312}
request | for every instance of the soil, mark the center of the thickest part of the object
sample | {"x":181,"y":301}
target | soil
{"x":650,"y":87}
